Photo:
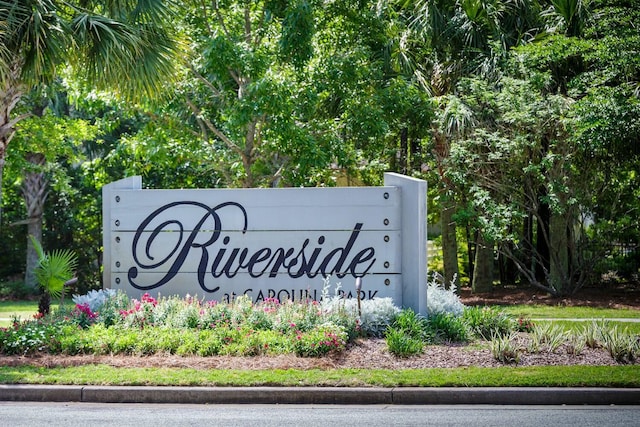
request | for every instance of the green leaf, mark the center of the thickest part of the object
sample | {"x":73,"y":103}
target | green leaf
{"x":54,"y":268}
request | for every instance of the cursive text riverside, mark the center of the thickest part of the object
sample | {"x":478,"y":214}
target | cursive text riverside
{"x":220,"y":257}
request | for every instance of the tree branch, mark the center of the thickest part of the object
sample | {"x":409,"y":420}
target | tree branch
{"x":207,"y":83}
{"x":206,"y":17}
{"x":220,"y":20}
{"x":247,"y":24}
{"x":228,"y":142}
{"x":259,"y":31}
{"x":7,"y":128}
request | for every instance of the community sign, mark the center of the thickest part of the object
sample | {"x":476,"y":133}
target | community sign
{"x":284,"y":243}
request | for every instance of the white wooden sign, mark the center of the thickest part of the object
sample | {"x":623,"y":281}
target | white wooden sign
{"x":267,"y":243}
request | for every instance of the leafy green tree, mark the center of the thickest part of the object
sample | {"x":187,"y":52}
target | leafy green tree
{"x":41,"y":140}
{"x":242,"y":88}
{"x":551,"y":156}
{"x":368,"y":89}
{"x":292,"y":93}
{"x":517,"y":145}
{"x":599,"y":87}
{"x":110,"y":43}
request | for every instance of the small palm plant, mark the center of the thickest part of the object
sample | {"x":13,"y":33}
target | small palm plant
{"x":54,"y":269}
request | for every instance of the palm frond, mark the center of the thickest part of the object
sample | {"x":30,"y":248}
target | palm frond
{"x":137,"y":59}
{"x":38,"y":247}
{"x":54,"y":268}
{"x":5,"y":54}
{"x":34,"y":35}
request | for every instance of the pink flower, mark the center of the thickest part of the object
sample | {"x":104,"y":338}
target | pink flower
{"x":85,"y":309}
{"x":149,"y":299}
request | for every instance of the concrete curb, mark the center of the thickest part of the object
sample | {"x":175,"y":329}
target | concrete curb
{"x":324,"y":395}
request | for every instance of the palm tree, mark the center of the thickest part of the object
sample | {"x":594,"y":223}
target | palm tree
{"x":465,"y":37}
{"x":111,"y":43}
{"x":52,"y":272}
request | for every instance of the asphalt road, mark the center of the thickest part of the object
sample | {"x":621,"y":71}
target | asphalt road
{"x":139,"y":415}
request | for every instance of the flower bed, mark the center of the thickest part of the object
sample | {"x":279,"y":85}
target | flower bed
{"x":109,"y":323}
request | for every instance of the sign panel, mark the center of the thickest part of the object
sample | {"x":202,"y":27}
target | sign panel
{"x":265,"y":243}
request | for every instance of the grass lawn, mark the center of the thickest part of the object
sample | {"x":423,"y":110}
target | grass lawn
{"x":576,"y":326}
{"x":22,"y":309}
{"x":538,"y":376}
{"x":559,"y":312}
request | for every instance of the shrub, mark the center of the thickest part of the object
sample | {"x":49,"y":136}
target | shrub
{"x":547,"y":335}
{"x":447,"y":327}
{"x":593,"y":333}
{"x":411,"y":323}
{"x":216,"y":315}
{"x":26,"y":337}
{"x":274,"y":342}
{"x":377,"y":315}
{"x":505,"y":348}
{"x":140,"y":313}
{"x":621,"y":345}
{"x":82,"y":316}
{"x":188,"y":345}
{"x":524,"y":324}
{"x":441,"y":300}
{"x":188,"y":326}
{"x":486,"y":322}
{"x":15,"y":290}
{"x":187,"y":317}
{"x":576,"y":344}
{"x":402,"y":344}
{"x":98,"y":339}
{"x":407,"y":334}
{"x":321,"y":340}
{"x":125,"y":341}
{"x":95,"y":299}
{"x":109,"y":312}
{"x":259,"y":319}
{"x":209,"y":343}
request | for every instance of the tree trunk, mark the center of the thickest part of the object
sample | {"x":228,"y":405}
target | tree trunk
{"x":507,"y":266}
{"x":471,"y":251}
{"x":559,"y":274}
{"x":1,"y":171}
{"x":527,"y":242}
{"x":542,"y":266}
{"x":10,"y":94}
{"x":415,"y":154}
{"x":404,"y":135}
{"x":449,"y":242}
{"x":34,"y":191}
{"x":483,"y":270}
{"x":44,"y":305}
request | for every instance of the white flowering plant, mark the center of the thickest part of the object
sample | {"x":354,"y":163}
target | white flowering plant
{"x":441,"y":300}
{"x":94,"y":299}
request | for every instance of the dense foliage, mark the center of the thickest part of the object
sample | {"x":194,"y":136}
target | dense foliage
{"x":523,"y":116}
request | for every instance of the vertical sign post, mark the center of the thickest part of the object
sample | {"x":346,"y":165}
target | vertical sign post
{"x":414,"y":239}
{"x":108,"y":200}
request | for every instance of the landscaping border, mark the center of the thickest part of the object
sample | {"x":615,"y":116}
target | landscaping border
{"x":324,"y":395}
